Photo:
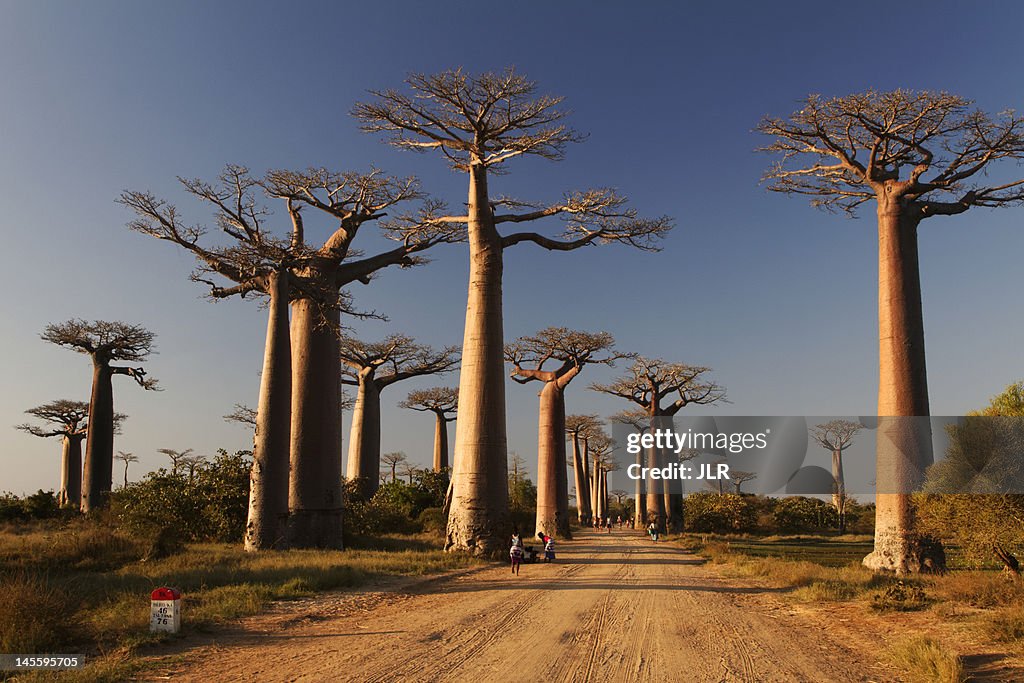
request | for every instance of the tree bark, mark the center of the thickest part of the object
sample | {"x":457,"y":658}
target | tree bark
{"x":364,"y":437}
{"x":70,"y":494}
{"x":552,"y":482}
{"x":98,"y":477}
{"x":268,"y":480}
{"x":579,"y":475}
{"x":655,"y":493}
{"x":640,"y":503}
{"x":479,"y":512}
{"x":315,"y":492}
{"x":440,"y":442}
{"x":904,"y":443}
{"x":587,"y":481}
{"x":839,"y":488}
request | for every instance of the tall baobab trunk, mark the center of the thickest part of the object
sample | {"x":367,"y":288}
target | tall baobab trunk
{"x":839,"y":488}
{"x":640,"y":501}
{"x":479,"y":511}
{"x":655,"y":492}
{"x":364,"y":438}
{"x":580,"y":476}
{"x":70,"y":494}
{"x":552,"y":482}
{"x":315,"y":494}
{"x":268,"y":480}
{"x":674,"y":505}
{"x":604,"y":491}
{"x":98,"y":477}
{"x":904,"y":443}
{"x":587,"y":479}
{"x":440,"y":442}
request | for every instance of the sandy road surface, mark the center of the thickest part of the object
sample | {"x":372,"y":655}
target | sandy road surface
{"x":613,"y":608}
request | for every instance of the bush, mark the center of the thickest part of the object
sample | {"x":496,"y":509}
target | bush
{"x":800,"y":514}
{"x":432,"y":520}
{"x":40,"y":505}
{"x":713,"y":513}
{"x":1005,"y":625}
{"x":900,"y":597}
{"x":169,"y":509}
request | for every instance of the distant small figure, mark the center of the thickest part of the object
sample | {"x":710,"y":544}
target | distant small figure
{"x":653,"y":531}
{"x":516,"y":540}
{"x":608,"y":524}
{"x":618,"y":521}
{"x":549,"y":546}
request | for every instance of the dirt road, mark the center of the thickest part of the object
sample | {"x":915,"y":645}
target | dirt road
{"x":613,"y":608}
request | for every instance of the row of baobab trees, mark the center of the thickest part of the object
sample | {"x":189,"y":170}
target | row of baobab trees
{"x":912,"y":155}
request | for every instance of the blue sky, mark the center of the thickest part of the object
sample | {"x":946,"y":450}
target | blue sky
{"x":778,"y":298}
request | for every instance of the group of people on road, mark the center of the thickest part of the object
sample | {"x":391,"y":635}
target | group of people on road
{"x":518,"y":551}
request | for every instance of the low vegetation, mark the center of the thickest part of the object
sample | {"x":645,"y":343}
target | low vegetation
{"x":826,"y":569}
{"x":83,"y":584}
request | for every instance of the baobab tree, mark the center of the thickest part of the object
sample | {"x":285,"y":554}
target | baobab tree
{"x":648,"y":383}
{"x":836,"y":436}
{"x":350,"y":201}
{"x":287,"y":271}
{"x":569,"y":351}
{"x":738,"y":477}
{"x":442,"y":402}
{"x":409,"y":470}
{"x":127,"y":459}
{"x":105,"y":343}
{"x":915,"y":155}
{"x":256,"y":261}
{"x":393,"y":460}
{"x":372,"y":367}
{"x":479,"y":123}
{"x":178,"y":458}
{"x":578,"y":428}
{"x":68,"y":420}
{"x":620,"y":495}
{"x":600,"y":447}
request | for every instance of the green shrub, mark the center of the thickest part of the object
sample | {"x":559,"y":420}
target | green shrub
{"x":713,"y":513}
{"x":170,"y":508}
{"x":900,"y":597}
{"x":798,"y":513}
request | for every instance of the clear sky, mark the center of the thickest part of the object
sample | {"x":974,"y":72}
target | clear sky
{"x":777,"y":297}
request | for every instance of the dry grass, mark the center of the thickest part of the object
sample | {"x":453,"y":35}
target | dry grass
{"x":32,"y":615}
{"x":1004,"y":625}
{"x":924,"y":660}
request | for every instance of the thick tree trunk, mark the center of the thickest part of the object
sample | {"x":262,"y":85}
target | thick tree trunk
{"x":674,"y":505}
{"x":552,"y":482}
{"x":70,"y":494}
{"x":655,"y":493}
{"x":904,"y":443}
{"x":440,"y":442}
{"x":364,"y":437}
{"x":315,"y":493}
{"x":98,"y":477}
{"x":604,"y":493}
{"x":580,"y":477}
{"x":839,"y":488}
{"x":479,"y":514}
{"x":268,"y":480}
{"x":640,"y":502}
{"x":587,"y":481}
